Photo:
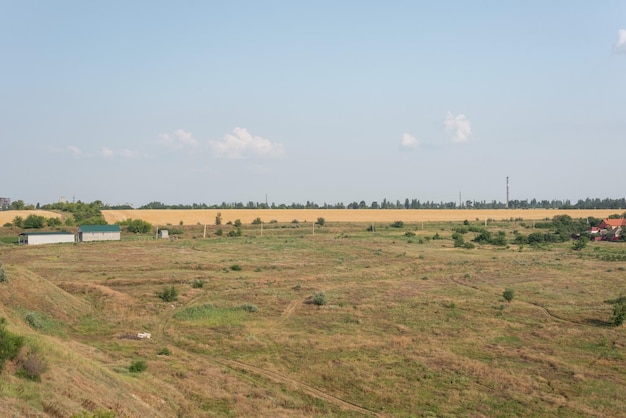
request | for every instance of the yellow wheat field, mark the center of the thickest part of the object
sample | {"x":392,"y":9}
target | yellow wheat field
{"x":207,"y":216}
{"x":7,"y":216}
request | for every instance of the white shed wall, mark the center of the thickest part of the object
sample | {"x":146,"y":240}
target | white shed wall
{"x":49,"y":239}
{"x":100,"y":236}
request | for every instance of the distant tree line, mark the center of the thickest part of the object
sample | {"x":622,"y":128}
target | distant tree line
{"x":84,"y":212}
{"x":588,"y":203}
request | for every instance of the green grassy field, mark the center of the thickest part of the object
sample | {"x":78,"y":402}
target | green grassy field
{"x":412,"y":325}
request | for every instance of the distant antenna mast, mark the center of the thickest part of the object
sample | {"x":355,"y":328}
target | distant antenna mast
{"x":507,"y":192}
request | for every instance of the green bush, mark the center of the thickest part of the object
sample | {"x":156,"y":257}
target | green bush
{"x":619,"y":313}
{"x":321,"y":221}
{"x":409,"y":234}
{"x":580,"y":243}
{"x":619,"y":310}
{"x":237,"y":223}
{"x":397,"y":224}
{"x":197,"y":283}
{"x":319,"y":298}
{"x":257,"y":221}
{"x":164,"y":352}
{"x":508,"y":294}
{"x":10,"y":344}
{"x":137,"y":226}
{"x":219,"y":232}
{"x":137,"y":366}
{"x":3,"y":275}
{"x":34,"y":320}
{"x":34,"y":222}
{"x":235,"y":267}
{"x":249,"y":307}
{"x":169,"y":294}
{"x":52,"y":222}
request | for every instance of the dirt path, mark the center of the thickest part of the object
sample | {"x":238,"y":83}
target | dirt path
{"x":310,"y":390}
{"x":239,"y":367}
{"x":545,"y":310}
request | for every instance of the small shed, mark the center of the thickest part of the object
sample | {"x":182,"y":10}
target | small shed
{"x":88,"y":233}
{"x":164,"y":233}
{"x":38,"y":238}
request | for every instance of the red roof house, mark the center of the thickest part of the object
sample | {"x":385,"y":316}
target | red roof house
{"x":613,"y":223}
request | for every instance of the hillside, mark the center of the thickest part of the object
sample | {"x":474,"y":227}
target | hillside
{"x":411,"y":325}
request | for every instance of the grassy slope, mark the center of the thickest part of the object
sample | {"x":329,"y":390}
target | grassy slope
{"x":410,"y":328}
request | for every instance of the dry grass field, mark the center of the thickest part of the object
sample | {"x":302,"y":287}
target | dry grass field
{"x":412,"y":325}
{"x":207,"y":216}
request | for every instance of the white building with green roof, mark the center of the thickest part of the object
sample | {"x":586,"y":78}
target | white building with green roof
{"x":88,"y":233}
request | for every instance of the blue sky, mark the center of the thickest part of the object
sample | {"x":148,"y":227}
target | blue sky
{"x":325,"y":101}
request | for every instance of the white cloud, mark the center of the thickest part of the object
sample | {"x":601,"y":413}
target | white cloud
{"x":106,"y":152}
{"x":241,"y":144}
{"x":459,"y":125}
{"x":76,"y":152}
{"x":178,"y":139}
{"x":409,"y":142}
{"x":126,"y":153}
{"x":620,"y":45}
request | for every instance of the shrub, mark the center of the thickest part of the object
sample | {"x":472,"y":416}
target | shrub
{"x":257,"y":221}
{"x":32,"y":367}
{"x":34,"y":221}
{"x":234,"y":232}
{"x":137,"y":366}
{"x":619,"y":310}
{"x":397,"y":224}
{"x":237,"y":223}
{"x":138,"y":226}
{"x":319,"y":298}
{"x":409,"y":234}
{"x":321,"y":221}
{"x":53,"y":222}
{"x":235,"y":267}
{"x":219,"y":232}
{"x":3,"y":275}
{"x":619,"y":313}
{"x":249,"y":307}
{"x":34,"y":320}
{"x":10,"y":344}
{"x":197,"y":283}
{"x":164,"y":352}
{"x":169,"y":294}
{"x":508,"y":295}
{"x":218,"y":218}
{"x":580,"y":243}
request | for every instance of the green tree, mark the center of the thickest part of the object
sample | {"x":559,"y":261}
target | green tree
{"x":52,"y":222}
{"x":18,"y":221}
{"x":34,"y":222}
{"x":138,"y":226}
{"x":18,"y":205}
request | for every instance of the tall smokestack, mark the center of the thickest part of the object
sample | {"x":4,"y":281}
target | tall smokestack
{"x":507,"y":192}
